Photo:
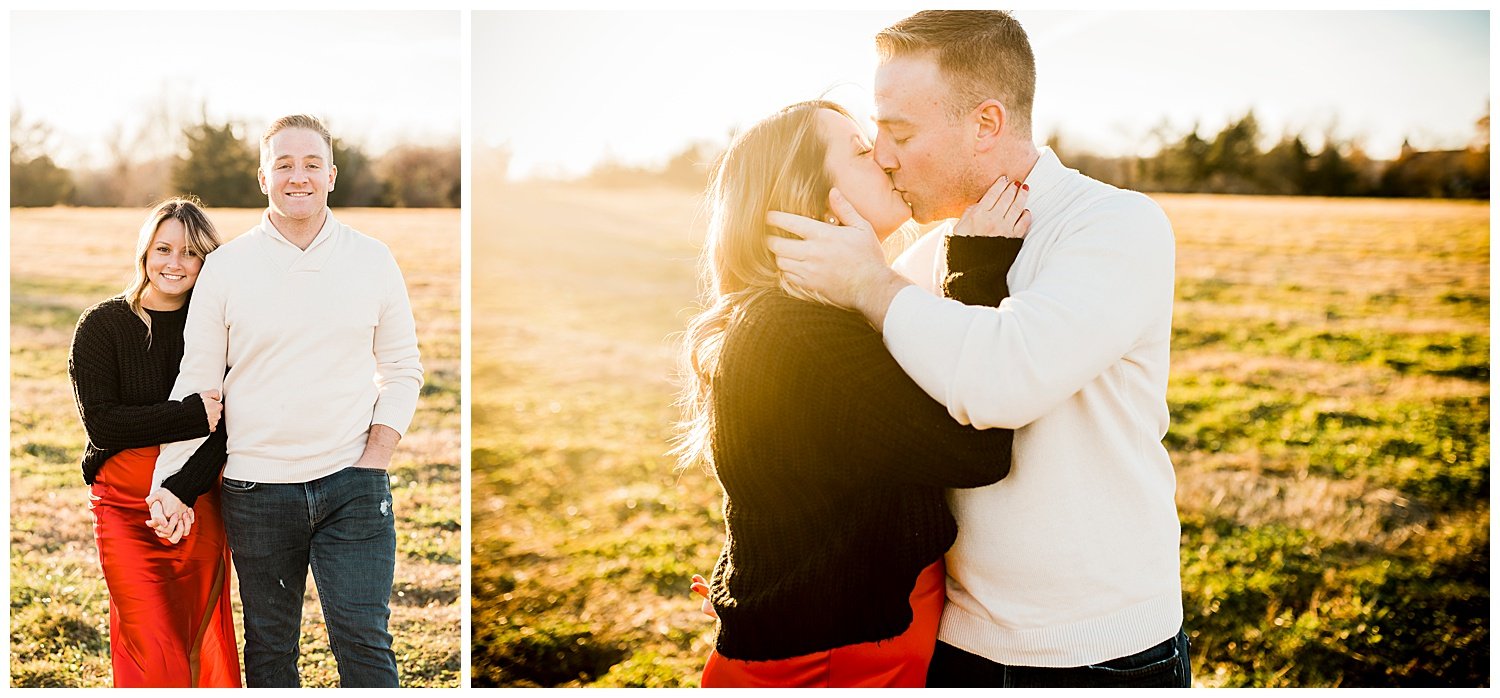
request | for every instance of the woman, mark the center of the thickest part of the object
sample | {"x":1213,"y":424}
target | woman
{"x":833,"y":462}
{"x":170,"y":623}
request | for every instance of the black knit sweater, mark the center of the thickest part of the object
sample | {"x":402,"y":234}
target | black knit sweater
{"x":834,"y":465}
{"x":121,"y":386}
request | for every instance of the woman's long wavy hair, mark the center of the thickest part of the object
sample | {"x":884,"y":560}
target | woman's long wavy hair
{"x":775,"y":165}
{"x":200,"y":236}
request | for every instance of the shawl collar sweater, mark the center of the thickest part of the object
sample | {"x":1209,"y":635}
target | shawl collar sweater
{"x":1073,"y":559}
{"x":310,"y":347}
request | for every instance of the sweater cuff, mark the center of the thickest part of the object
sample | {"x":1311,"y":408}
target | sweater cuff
{"x":967,"y":252}
{"x":977,"y":268}
{"x":192,"y":405}
{"x":183,"y":491}
{"x":201,"y":472}
{"x":394,"y":412}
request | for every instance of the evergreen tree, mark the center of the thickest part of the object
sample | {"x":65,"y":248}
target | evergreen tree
{"x":1331,"y":174}
{"x":1184,"y":166}
{"x":38,"y":181}
{"x":220,"y":167}
{"x":1284,"y":169}
{"x":1231,"y":158}
{"x":357,"y":183}
{"x":35,"y":180}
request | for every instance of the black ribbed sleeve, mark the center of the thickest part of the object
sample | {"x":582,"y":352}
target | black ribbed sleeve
{"x":977,"y":267}
{"x":201,"y":472}
{"x":121,"y":385}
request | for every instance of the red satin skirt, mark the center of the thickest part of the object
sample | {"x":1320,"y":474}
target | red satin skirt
{"x":900,"y":662}
{"x":170,"y":622}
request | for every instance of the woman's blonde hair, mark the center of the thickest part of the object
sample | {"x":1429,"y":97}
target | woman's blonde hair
{"x":201,"y":239}
{"x":775,"y":165}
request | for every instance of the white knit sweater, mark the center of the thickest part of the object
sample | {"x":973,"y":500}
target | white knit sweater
{"x":319,"y":345}
{"x":1073,"y":558}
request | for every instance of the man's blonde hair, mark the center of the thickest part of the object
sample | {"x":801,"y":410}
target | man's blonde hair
{"x":310,"y":123}
{"x":984,"y":54}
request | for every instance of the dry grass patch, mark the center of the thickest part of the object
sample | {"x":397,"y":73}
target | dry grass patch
{"x":1330,"y":430}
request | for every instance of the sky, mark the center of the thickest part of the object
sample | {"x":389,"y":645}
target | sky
{"x":376,"y":78}
{"x":563,"y":91}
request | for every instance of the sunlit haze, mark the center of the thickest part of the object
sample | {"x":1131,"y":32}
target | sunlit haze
{"x":563,"y":91}
{"x":377,"y":78}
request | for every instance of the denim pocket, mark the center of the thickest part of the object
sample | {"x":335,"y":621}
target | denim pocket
{"x":1164,"y":665}
{"x":238,"y":486}
{"x":370,"y":482}
{"x":367,"y":476}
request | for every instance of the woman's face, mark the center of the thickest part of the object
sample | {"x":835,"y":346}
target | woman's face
{"x":850,"y":163}
{"x":171,"y":268}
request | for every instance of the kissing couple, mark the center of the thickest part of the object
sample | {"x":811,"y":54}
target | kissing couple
{"x":949,"y":472}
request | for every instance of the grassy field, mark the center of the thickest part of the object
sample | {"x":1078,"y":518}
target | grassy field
{"x":1330,"y":403}
{"x":64,"y":260}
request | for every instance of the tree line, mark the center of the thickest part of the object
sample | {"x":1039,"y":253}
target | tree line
{"x":217,"y":162}
{"x":1233,"y":161}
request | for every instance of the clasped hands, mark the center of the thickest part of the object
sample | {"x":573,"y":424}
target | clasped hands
{"x":170,"y":518}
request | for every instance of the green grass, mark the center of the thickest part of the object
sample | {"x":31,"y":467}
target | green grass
{"x":1330,"y":404}
{"x":59,"y":602}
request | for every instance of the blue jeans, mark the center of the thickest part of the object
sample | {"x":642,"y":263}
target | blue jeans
{"x":343,"y":526}
{"x":1162,"y":666}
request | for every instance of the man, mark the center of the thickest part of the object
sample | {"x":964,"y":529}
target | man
{"x":312,"y":322}
{"x":1066,"y":572}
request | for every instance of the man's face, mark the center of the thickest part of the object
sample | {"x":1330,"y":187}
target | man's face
{"x":296,"y":173}
{"x":929,"y":155}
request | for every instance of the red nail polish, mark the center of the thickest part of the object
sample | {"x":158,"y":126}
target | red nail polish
{"x":1027,"y":187}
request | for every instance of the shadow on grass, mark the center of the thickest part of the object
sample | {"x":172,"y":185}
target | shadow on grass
{"x":541,"y":653}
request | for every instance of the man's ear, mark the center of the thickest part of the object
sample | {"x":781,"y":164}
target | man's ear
{"x":989,"y":122}
{"x":333,"y":175}
{"x":260,"y":176}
